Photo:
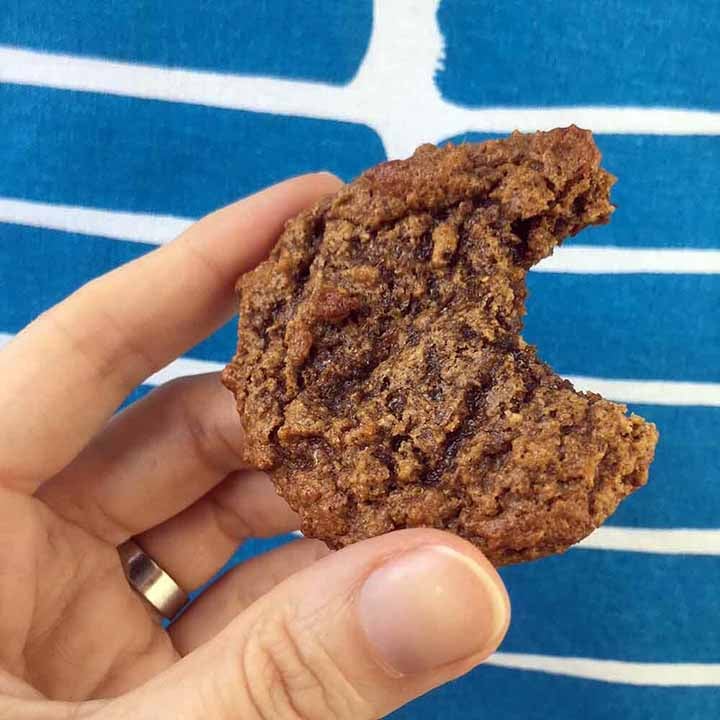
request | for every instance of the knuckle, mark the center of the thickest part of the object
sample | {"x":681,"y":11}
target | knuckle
{"x":209,"y":439}
{"x":228,"y":520}
{"x":103,"y":341}
{"x":289,"y":675}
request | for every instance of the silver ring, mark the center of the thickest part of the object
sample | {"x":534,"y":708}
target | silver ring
{"x":148,"y":579}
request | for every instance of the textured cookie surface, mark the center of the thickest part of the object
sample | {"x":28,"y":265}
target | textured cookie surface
{"x":380,"y":376}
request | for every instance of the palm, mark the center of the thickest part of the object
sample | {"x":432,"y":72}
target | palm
{"x":61,"y":590}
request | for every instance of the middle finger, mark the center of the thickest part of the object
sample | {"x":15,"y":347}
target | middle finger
{"x":152,"y":461}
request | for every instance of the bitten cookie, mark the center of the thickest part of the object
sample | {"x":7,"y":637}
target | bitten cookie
{"x":380,"y":375}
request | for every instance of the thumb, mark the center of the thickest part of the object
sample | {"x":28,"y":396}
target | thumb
{"x":358,"y":634}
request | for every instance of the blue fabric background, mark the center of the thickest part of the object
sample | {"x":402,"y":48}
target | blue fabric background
{"x":131,"y":154}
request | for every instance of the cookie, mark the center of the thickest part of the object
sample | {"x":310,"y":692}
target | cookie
{"x":380,"y":375}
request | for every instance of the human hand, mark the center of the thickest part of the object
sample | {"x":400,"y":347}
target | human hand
{"x":297,"y":633}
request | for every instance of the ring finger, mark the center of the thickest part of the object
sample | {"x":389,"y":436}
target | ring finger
{"x":165,"y":471}
{"x":192,"y":546}
{"x":152,"y":461}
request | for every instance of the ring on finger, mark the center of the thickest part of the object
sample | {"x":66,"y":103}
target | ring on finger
{"x":150,"y":581}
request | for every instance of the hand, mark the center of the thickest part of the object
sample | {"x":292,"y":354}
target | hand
{"x":297,"y":633}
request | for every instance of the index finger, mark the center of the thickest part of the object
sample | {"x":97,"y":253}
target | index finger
{"x":65,"y":374}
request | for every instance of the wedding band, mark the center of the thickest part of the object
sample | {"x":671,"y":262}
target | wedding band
{"x":148,"y":579}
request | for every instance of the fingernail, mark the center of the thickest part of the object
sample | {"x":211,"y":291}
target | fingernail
{"x":430,"y":607}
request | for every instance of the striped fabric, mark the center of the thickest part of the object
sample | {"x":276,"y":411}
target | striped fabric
{"x":122,"y":121}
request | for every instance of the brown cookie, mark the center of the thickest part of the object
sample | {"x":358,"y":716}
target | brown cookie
{"x":380,"y":376}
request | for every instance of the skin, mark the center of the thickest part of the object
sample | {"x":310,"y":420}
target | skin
{"x":293,"y":634}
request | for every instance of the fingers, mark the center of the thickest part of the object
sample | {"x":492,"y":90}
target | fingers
{"x":163,"y":471}
{"x":356,"y":635}
{"x":239,"y":589}
{"x":195,"y":544}
{"x":68,"y":370}
{"x":152,"y":460}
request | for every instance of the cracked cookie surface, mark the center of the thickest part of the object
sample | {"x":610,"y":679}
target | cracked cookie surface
{"x":380,"y":375}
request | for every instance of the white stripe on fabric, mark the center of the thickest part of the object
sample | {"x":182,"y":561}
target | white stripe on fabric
{"x":160,"y":229}
{"x":597,"y":260}
{"x":652,"y":392}
{"x":135,"y":227}
{"x":376,"y":97}
{"x":614,"y":671}
{"x":667,"y":541}
{"x":181,"y":367}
